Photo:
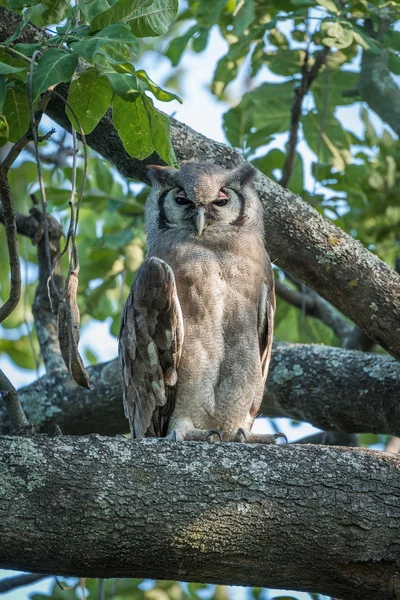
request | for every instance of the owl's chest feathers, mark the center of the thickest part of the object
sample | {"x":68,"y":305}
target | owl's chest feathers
{"x":219,"y":292}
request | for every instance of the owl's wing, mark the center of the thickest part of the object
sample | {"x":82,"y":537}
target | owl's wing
{"x":150,"y":346}
{"x":266,"y":312}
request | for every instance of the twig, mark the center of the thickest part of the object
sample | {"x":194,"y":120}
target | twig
{"x":34,"y":126}
{"x":72,"y":229}
{"x":25,"y":316}
{"x":331,"y":438}
{"x":307,"y":78}
{"x":17,"y":417}
{"x":101,"y":589}
{"x":10,"y":224}
{"x":11,"y":583}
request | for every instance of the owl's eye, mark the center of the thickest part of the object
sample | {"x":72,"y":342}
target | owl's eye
{"x":222,"y":199}
{"x":181,"y":199}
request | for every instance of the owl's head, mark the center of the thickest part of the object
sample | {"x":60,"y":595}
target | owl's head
{"x":201,"y":198}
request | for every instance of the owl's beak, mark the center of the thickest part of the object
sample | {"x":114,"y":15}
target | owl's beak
{"x":200,"y":220}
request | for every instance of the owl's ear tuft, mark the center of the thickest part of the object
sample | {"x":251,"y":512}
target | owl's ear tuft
{"x":161,"y":175}
{"x":244,"y":175}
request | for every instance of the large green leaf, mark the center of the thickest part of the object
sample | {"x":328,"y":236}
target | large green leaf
{"x":160,"y":134}
{"x":132,"y":122}
{"x":268,"y":108}
{"x":90,"y":96}
{"x":145,"y":17}
{"x":118,"y":32}
{"x":16,"y":111}
{"x":54,"y":66}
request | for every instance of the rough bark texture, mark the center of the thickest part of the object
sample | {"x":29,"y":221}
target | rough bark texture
{"x":312,"y":518}
{"x":334,"y":389}
{"x":298,"y":238}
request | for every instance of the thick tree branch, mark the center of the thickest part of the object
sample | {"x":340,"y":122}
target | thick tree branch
{"x":376,"y":84}
{"x":323,"y":519}
{"x":12,"y":583}
{"x":334,"y":389}
{"x":302,"y":241}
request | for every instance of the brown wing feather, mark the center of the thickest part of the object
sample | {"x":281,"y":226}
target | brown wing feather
{"x":266,"y":312}
{"x":150,"y":346}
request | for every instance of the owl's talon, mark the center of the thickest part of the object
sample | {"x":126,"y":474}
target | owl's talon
{"x":242,"y":431}
{"x":215,"y":432}
{"x":281,"y":435}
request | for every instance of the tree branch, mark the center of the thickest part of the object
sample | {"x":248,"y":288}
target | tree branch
{"x":308,"y":76}
{"x":334,"y":389}
{"x":376,"y":84}
{"x":12,"y":583}
{"x":318,"y":516}
{"x":46,"y":319}
{"x":12,"y":244}
{"x":16,"y":415}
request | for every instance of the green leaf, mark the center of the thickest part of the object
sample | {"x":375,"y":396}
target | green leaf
{"x":332,"y":143}
{"x":244,"y":17}
{"x":91,"y":8}
{"x":119,"y":32}
{"x":365,"y":41}
{"x":157,"y":92}
{"x":104,"y":176}
{"x":394,"y":63}
{"x":160,"y":133}
{"x":200,"y":40}
{"x":7,"y":69}
{"x":132,"y":122}
{"x":3,"y":91}
{"x":55,"y":65}
{"x":126,"y":86}
{"x":336,"y":36}
{"x":19,"y":67}
{"x":328,"y":4}
{"x":267,"y":108}
{"x":17,"y":5}
{"x":4,"y":131}
{"x":19,"y":351}
{"x":27,"y":49}
{"x":53,"y":11}
{"x":16,"y":111}
{"x":145,"y":17}
{"x":89,"y":96}
{"x":177,"y":45}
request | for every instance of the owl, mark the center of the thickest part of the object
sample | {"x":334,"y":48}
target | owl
{"x":196,"y":332}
